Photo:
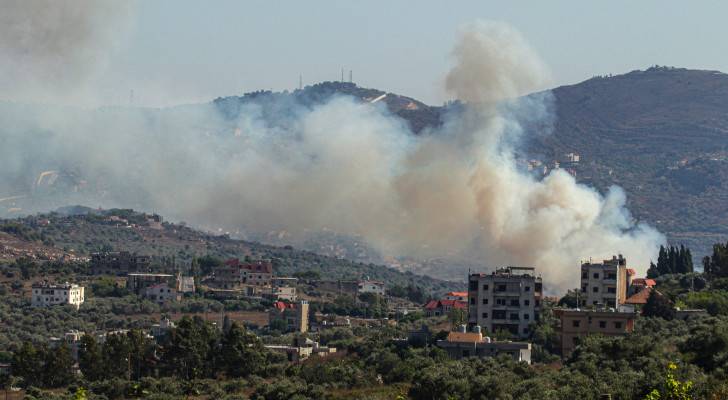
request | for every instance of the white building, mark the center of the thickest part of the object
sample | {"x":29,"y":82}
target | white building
{"x":605,"y":284}
{"x":161,"y":293}
{"x":45,"y":294}
{"x":372,"y":287}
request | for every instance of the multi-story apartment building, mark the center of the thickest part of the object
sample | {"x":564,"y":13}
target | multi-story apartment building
{"x":137,"y":283}
{"x":45,"y":294}
{"x":574,"y":324}
{"x":118,"y":263}
{"x":234,"y":273}
{"x":508,"y":299}
{"x":295,"y":315}
{"x":605,"y":284}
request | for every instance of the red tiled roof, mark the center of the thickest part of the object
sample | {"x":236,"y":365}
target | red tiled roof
{"x":639,"y":297}
{"x":458,"y":294}
{"x":280,"y":306}
{"x":644,"y":282}
{"x":259,"y":266}
{"x":631,"y":272}
{"x":233,"y":262}
{"x":432,"y":304}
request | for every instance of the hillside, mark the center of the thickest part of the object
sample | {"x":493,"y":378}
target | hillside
{"x":74,"y":237}
{"x":662,"y":135}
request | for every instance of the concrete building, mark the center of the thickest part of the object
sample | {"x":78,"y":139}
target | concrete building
{"x":295,"y":315}
{"x":235,"y":274}
{"x":605,"y":284}
{"x":302,"y":349}
{"x":185,"y":284}
{"x":118,"y":263}
{"x":284,"y":293}
{"x":463,"y":344}
{"x":371,"y":287}
{"x":508,"y":299}
{"x":574,"y":324}
{"x":161,"y":293}
{"x":45,"y":294}
{"x":338,"y":286}
{"x":138,"y":282}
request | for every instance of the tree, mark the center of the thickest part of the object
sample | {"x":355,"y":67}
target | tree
{"x":652,"y":271}
{"x":58,"y":367}
{"x":658,"y":306}
{"x":189,"y":351}
{"x":241,"y":353}
{"x":27,"y":363}
{"x":90,"y":358}
{"x":673,"y":388}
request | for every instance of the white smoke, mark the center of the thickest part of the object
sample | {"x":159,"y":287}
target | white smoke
{"x":352,"y":167}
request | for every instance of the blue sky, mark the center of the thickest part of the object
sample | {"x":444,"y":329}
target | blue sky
{"x":181,"y":51}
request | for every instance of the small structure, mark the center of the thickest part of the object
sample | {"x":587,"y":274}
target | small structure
{"x":295,"y":315}
{"x":574,"y":324}
{"x":462,"y":344}
{"x":185,"y":284}
{"x":161,"y":293}
{"x":301,"y":349}
{"x":375,"y":287}
{"x":161,"y":329}
{"x":45,"y":294}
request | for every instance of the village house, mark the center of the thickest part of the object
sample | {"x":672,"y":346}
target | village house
{"x":605,"y":284}
{"x":375,"y":287}
{"x":463,"y":344}
{"x":161,"y":293}
{"x":301,"y":349}
{"x":575,"y":324}
{"x":235,"y":274}
{"x":44,"y":294}
{"x":118,"y":263}
{"x":436,"y":308}
{"x":508,"y":299}
{"x":295,"y":315}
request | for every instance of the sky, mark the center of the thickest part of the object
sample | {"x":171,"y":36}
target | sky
{"x":182,"y":51}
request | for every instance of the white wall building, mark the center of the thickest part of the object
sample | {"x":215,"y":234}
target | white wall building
{"x":45,"y":294}
{"x":372,"y":287}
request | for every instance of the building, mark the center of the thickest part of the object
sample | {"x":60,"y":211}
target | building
{"x":185,"y":284}
{"x":605,"y":284}
{"x":371,"y":287}
{"x":574,"y":324}
{"x":437,"y":308}
{"x":161,"y":293}
{"x":45,"y":294}
{"x":338,"y":286}
{"x":72,"y":339}
{"x":295,"y":315}
{"x":508,"y":299}
{"x":285,"y":293}
{"x":138,"y":282}
{"x":463,"y":344}
{"x":459,"y":296}
{"x":302,"y":349}
{"x":234,"y":273}
{"x":636,"y":285}
{"x":118,"y":263}
{"x":160,"y":330}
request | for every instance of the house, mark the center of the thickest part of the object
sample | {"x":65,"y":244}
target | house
{"x":574,"y":324}
{"x":44,"y":294}
{"x":507,"y":299}
{"x":371,"y":287}
{"x":463,"y":344}
{"x":234,"y":273}
{"x":338,"y":286}
{"x":605,"y":284}
{"x":160,"y":330}
{"x":185,"y":284}
{"x":295,"y":315}
{"x":638,"y":284}
{"x":459,"y":296}
{"x":118,"y":263}
{"x":435,"y":308}
{"x":138,"y":282}
{"x":639,"y":298}
{"x":161,"y":293}
{"x":285,"y":293}
{"x":301,"y":349}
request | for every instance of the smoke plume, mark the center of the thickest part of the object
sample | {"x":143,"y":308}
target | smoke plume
{"x":348,"y":166}
{"x":51,"y":48}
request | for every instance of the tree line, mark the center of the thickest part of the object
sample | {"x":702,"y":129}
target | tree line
{"x":672,"y":260}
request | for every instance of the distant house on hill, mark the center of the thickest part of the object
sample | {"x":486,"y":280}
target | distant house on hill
{"x":45,"y":294}
{"x":295,"y":315}
{"x":118,"y":263}
{"x":442,"y":307}
{"x":234,"y":273}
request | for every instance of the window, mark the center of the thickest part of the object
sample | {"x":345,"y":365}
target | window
{"x":513,"y":317}
{"x":527,"y":289}
{"x":473,"y":285}
{"x":485,"y":288}
{"x":595,"y":289}
{"x":472,"y":300}
{"x":596,"y":275}
{"x":525,"y":331}
{"x":611,"y":275}
{"x":526,"y":316}
{"x":576,"y":323}
{"x":514,"y":302}
{"x":499,"y":314}
{"x":501,"y":288}
{"x":618,"y":325}
{"x":500,"y":302}
{"x":611,"y":290}
{"x":526,"y":302}
{"x":485,"y":301}
{"x":485,"y":315}
{"x":602,"y":324}
{"x":584,"y":275}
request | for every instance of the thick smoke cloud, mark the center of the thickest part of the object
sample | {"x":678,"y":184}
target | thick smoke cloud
{"x":350,"y":167}
{"x":51,"y":48}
